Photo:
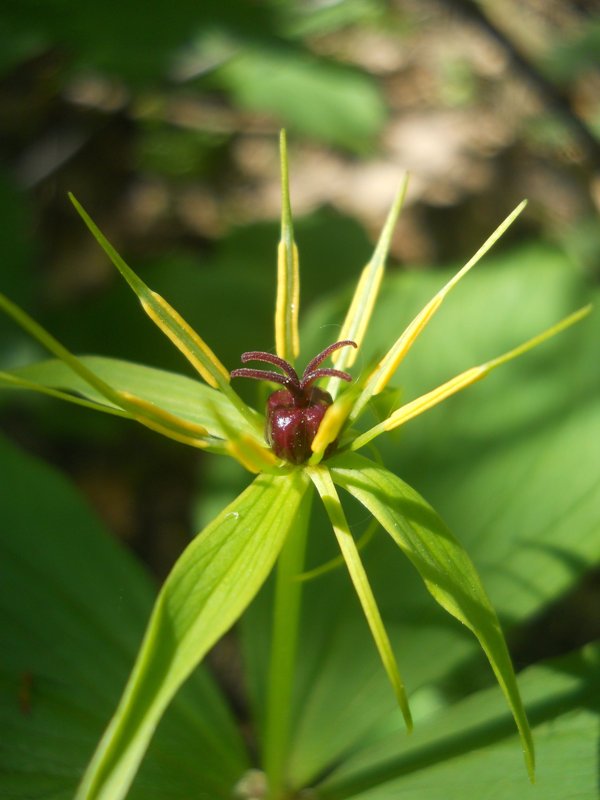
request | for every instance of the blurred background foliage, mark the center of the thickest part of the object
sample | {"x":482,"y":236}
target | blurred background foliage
{"x":163,"y":121}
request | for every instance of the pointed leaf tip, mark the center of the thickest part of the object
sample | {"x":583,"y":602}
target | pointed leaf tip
{"x":443,"y":564}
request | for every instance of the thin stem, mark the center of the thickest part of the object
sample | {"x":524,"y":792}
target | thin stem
{"x":284,"y":642}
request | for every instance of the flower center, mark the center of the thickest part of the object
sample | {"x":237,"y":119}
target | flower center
{"x":295,"y":412}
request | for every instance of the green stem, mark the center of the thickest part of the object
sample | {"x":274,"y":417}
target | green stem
{"x":284,"y":642}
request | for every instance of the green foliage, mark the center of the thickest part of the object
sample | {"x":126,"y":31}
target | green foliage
{"x":250,"y":51}
{"x":73,"y":606}
{"x":324,"y":100}
{"x":212,"y":583}
{"x":524,"y":508}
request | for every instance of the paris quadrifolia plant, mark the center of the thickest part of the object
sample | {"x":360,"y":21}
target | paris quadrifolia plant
{"x":307,"y":442}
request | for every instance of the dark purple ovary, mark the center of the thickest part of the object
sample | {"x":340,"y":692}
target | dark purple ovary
{"x":290,"y":429}
{"x":295,"y":412}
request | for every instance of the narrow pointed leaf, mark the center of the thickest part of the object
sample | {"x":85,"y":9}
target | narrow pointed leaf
{"x":212,"y":583}
{"x":388,"y":365}
{"x":322,"y":480}
{"x":361,"y":308}
{"x":287,"y":305}
{"x":464,"y":749}
{"x":442,"y":563}
{"x":73,"y":608}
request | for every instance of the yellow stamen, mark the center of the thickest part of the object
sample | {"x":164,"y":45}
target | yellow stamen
{"x":367,"y":290}
{"x":416,"y":407}
{"x":185,"y":338}
{"x":287,"y":342}
{"x":388,"y":365}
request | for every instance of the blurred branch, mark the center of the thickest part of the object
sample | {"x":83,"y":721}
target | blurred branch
{"x":551,"y":94}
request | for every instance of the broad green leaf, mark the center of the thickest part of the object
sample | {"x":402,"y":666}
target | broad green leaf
{"x":207,"y":590}
{"x":442,"y":563}
{"x":317,"y":97}
{"x":512,"y":464}
{"x":465,"y":750}
{"x":73,"y":607}
{"x":177,"y":394}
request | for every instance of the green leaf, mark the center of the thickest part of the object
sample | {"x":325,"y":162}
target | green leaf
{"x":464,"y":750}
{"x":177,"y":394}
{"x":317,"y":97}
{"x":442,"y":563}
{"x":207,"y":590}
{"x":513,"y":464}
{"x":73,"y":607}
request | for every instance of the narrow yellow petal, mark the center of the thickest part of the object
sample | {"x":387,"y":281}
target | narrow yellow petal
{"x":172,"y":324}
{"x":416,"y":407}
{"x":185,"y":338}
{"x":287,"y":342}
{"x":427,"y":401}
{"x":321,"y":478}
{"x":367,"y":290}
{"x":388,"y":365}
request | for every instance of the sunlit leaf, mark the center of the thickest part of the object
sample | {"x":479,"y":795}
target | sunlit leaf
{"x":442,"y":563}
{"x":207,"y":590}
{"x":463,"y":750}
{"x":177,"y":394}
{"x":73,"y":607}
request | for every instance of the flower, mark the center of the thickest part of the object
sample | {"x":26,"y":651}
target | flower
{"x":308,"y":439}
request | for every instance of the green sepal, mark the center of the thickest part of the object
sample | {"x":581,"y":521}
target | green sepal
{"x":442,"y":563}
